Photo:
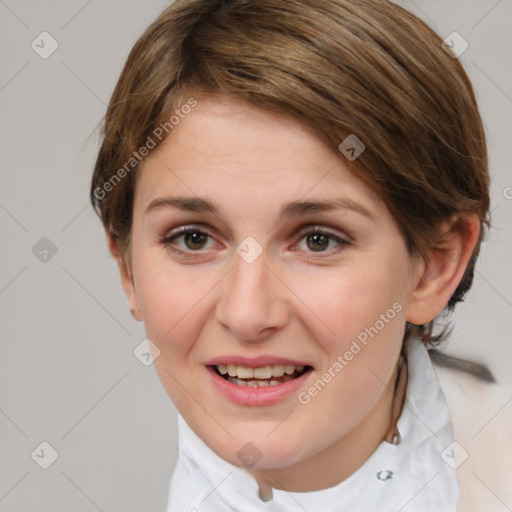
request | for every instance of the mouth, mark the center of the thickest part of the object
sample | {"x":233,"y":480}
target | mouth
{"x":264,"y":380}
{"x":263,"y":376}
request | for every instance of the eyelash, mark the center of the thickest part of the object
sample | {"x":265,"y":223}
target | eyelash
{"x":168,"y":240}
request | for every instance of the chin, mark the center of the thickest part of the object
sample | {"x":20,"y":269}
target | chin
{"x":259,"y":451}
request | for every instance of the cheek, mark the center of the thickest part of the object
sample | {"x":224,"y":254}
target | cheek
{"x":171,"y":301}
{"x":358,"y":319}
{"x":348,"y":303}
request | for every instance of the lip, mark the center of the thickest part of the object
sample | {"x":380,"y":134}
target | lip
{"x":255,"y":362}
{"x":256,"y":397}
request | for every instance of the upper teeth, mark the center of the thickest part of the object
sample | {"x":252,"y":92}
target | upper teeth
{"x":264,"y":372}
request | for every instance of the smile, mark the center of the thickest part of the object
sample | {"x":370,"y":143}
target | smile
{"x":269,"y":375}
{"x":265,"y":382}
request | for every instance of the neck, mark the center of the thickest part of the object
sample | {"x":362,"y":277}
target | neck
{"x":324,"y":469}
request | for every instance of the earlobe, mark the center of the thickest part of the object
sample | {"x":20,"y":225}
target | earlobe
{"x":126,"y":277}
{"x":441,"y":273}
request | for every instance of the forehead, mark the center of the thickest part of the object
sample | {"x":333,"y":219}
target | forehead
{"x":232,"y":152}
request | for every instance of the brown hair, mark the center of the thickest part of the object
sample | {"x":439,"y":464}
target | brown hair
{"x":362,"y":67}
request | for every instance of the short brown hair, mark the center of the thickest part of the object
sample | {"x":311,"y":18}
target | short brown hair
{"x":362,"y":67}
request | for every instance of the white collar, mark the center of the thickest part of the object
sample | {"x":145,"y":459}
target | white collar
{"x":410,"y":476}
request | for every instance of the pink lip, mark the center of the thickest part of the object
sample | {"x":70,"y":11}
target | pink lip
{"x":256,"y":397}
{"x":254,"y":362}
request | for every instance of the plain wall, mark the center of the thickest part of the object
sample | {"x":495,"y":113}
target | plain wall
{"x":67,"y":372}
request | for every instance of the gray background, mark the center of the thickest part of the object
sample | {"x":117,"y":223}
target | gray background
{"x":68,"y":374}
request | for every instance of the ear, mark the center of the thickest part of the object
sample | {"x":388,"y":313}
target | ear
{"x":126,"y":277}
{"x":439,"y":275}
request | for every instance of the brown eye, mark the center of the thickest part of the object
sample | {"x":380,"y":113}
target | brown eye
{"x":187,"y":240}
{"x":195,"y":240}
{"x":317,"y":242}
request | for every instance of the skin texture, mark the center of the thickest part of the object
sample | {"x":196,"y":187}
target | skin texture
{"x":295,"y":300}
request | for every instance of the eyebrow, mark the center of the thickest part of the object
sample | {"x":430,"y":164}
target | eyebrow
{"x":292,"y":209}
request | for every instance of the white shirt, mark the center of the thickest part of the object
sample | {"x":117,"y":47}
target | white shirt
{"x":415,"y":475}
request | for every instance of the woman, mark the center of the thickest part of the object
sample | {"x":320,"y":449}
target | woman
{"x":294,"y":192}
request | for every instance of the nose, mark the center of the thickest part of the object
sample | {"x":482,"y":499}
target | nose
{"x":253,"y":302}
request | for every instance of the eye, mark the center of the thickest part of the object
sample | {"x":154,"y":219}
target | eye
{"x":189,"y":239}
{"x":318,"y":240}
{"x":193,"y":240}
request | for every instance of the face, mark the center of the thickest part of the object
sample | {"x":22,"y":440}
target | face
{"x":238,"y":265}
